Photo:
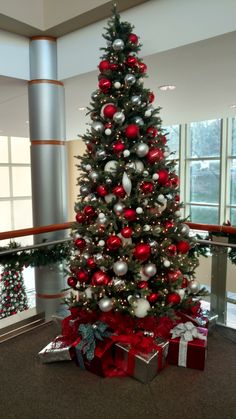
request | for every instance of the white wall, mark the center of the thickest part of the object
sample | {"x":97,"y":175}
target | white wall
{"x":14,"y":53}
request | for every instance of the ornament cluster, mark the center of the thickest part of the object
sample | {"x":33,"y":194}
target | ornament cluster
{"x":13,"y":295}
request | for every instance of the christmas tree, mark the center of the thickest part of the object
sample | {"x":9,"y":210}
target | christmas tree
{"x":13,"y":295}
{"x":133,"y":253}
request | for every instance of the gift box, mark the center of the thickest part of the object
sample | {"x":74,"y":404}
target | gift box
{"x":102,"y":361}
{"x":142,"y":366}
{"x":60,"y":349}
{"x":188,"y":346}
{"x":206,"y":319}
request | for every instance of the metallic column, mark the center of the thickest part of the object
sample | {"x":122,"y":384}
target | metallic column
{"x":48,"y":162}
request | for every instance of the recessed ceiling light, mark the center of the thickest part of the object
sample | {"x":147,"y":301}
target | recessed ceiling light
{"x":233,"y":106}
{"x":81,"y":108}
{"x":166,"y":87}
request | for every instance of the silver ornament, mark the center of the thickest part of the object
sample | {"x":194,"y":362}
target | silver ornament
{"x":142,"y":149}
{"x":139,"y":166}
{"x":130,"y":165}
{"x":101,"y":221}
{"x":111,"y":166}
{"x":118,"y":45}
{"x":95,"y":94}
{"x":105,"y":304}
{"x":97,"y":127}
{"x":194,"y":286}
{"x":98,"y":258}
{"x":138,"y":121}
{"x":93,"y":176}
{"x":109,"y":198}
{"x":100,"y":154}
{"x":129,"y":79}
{"x":140,"y":81}
{"x":126,"y":183}
{"x":108,"y":181}
{"x":152,"y":243}
{"x":135,"y":100}
{"x":145,"y":173}
{"x":84,"y":190}
{"x":149,"y":269}
{"x":118,"y":118}
{"x":92,"y":197}
{"x":120,"y":268}
{"x":185,"y":229}
{"x":118,"y":283}
{"x":118,"y":208}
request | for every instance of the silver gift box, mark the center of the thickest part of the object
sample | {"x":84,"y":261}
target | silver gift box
{"x":146,"y":366}
{"x":55,"y":351}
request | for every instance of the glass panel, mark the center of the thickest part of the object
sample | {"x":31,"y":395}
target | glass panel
{"x":22,"y":213}
{"x":5,"y":219}
{"x":233,"y":151}
{"x":4,"y":183}
{"x":204,"y":181}
{"x":205,"y":138}
{"x":3,"y":150}
{"x":233,"y":216}
{"x":20,"y":150}
{"x":233,"y":182}
{"x":204,"y":215}
{"x":21,"y":177}
{"x":172,"y":135}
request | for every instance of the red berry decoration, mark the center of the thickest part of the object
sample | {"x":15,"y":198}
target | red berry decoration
{"x":126,"y":232}
{"x":89,"y":211}
{"x":153,"y":297}
{"x":104,"y":85}
{"x":133,"y":38}
{"x":131,"y":61}
{"x":173,"y":276}
{"x":91,"y":263}
{"x":142,"y":285}
{"x":82,"y":275}
{"x":119,"y":191}
{"x":104,"y":66}
{"x":154,"y":155}
{"x":80,"y":218}
{"x":146,"y":187}
{"x":152,"y":131}
{"x":163,"y":176}
{"x":80,"y":243}
{"x":132,"y":131}
{"x":173,"y":298}
{"x":142,"y":67}
{"x":118,"y":147}
{"x":142,"y":251}
{"x":113,"y":242}
{"x":109,"y":111}
{"x":130,"y":214}
{"x":71,"y":281}
{"x":100,"y":278}
{"x":102,"y":190}
{"x":183,"y":247}
{"x":185,"y":282}
{"x":151,"y":97}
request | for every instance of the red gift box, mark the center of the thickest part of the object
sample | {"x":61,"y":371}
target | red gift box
{"x":189,"y":354}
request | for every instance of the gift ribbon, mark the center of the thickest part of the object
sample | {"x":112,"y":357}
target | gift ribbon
{"x":186,"y":332}
{"x":90,"y":334}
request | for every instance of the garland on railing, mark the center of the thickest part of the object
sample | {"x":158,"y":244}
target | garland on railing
{"x":231,"y":240}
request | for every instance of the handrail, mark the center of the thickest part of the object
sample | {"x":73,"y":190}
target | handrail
{"x":55,"y":227}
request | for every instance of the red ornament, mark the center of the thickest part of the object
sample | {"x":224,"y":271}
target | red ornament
{"x":183,"y":247}
{"x":154,"y":155}
{"x":142,"y":67}
{"x":173,"y":276}
{"x":196,"y":308}
{"x":173,"y":298}
{"x":174,"y":181}
{"x":91,"y":263}
{"x":102,"y":190}
{"x":185,"y":282}
{"x":113,"y":242}
{"x":109,"y":111}
{"x":80,"y":218}
{"x":104,"y":85}
{"x":142,"y":251}
{"x":130,"y":214}
{"x":142,"y":285}
{"x":100,"y":278}
{"x":126,"y":232}
{"x":133,"y":38}
{"x":90,"y":147}
{"x":104,"y":66}
{"x":163,"y":139}
{"x":152,"y":298}
{"x":82,"y":275}
{"x":89,"y":211}
{"x":113,"y":66}
{"x":119,"y":191}
{"x":172,"y":249}
{"x":151,"y":97}
{"x":131,"y":61}
{"x":80,"y":243}
{"x":152,"y":131}
{"x":163,"y":176}
{"x":71,"y":281}
{"x":146,"y":187}
{"x":118,"y":147}
{"x":132,"y":131}
{"x":177,"y":198}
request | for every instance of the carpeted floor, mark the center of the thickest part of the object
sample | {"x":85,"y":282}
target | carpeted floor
{"x":31,"y":390}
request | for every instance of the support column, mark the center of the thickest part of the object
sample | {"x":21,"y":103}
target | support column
{"x":48,"y":162}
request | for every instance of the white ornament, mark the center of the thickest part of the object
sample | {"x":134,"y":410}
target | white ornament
{"x":146,"y":227}
{"x":108,"y":131}
{"x":181,"y":293}
{"x":126,"y":183}
{"x":166,"y":153}
{"x":139,"y":166}
{"x":88,"y":167}
{"x":126,"y":153}
{"x":161,"y":198}
{"x":118,"y":208}
{"x":166,"y":263}
{"x":142,"y":149}
{"x":194,"y":286}
{"x":177,"y":213}
{"x":155,"y":176}
{"x":139,"y":210}
{"x":141,"y":308}
{"x":101,"y":243}
{"x":149,"y":269}
{"x":145,"y":173}
{"x":88,"y":292}
{"x":105,"y":304}
{"x":101,"y":215}
{"x":108,"y":198}
{"x":124,"y":240}
{"x":120,"y":268}
{"x":111,"y":166}
{"x":148,"y":113}
{"x":117,"y":85}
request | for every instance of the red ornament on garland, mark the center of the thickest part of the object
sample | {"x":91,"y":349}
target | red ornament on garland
{"x":109,"y":111}
{"x":183,"y":247}
{"x":132,"y":131}
{"x":130,"y":214}
{"x":153,"y":297}
{"x":154,"y":155}
{"x":142,"y":67}
{"x":80,"y":243}
{"x":126,"y":232}
{"x":133,"y":38}
{"x":91,"y":263}
{"x":119,"y":191}
{"x":196,"y":308}
{"x":152,"y":131}
{"x":102,"y":190}
{"x":113,"y":66}
{"x":146,"y":187}
{"x":172,"y":249}
{"x":173,"y":276}
{"x":71,"y":281}
{"x":177,"y":198}
{"x":142,"y":285}
{"x":89,"y":211}
{"x":104,"y":65}
{"x":104,"y":85}
{"x":163,"y":139}
{"x":80,"y":218}
{"x":100,"y":278}
{"x":142,"y":251}
{"x":151,"y":97}
{"x":185,"y":282}
{"x":174,"y":181}
{"x":113,"y":242}
{"x":173,"y":298}
{"x":82,"y":275}
{"x":163,"y":176}
{"x":131,"y":61}
{"x":118,"y":147}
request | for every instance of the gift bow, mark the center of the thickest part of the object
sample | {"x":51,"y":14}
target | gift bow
{"x":90,"y":333}
{"x":186,"y":332}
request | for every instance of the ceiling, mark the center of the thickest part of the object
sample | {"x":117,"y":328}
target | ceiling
{"x":203,"y":72}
